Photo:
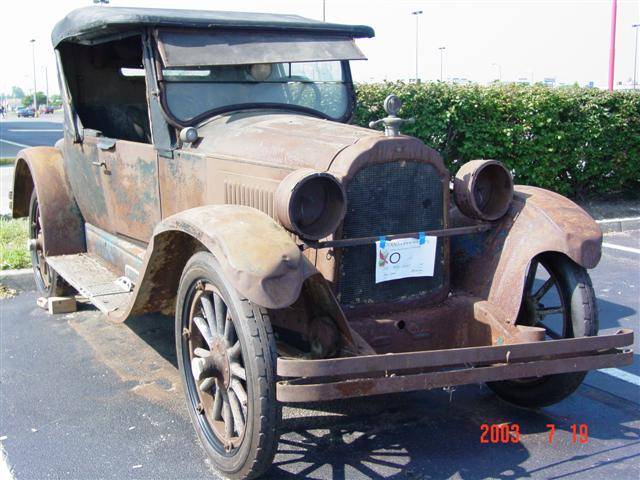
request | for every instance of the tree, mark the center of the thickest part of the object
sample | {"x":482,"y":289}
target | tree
{"x":17,"y":92}
{"x":27,"y":101}
{"x":55,"y":100}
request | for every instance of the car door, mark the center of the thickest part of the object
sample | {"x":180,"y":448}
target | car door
{"x":130,"y":175}
{"x":87,"y":178}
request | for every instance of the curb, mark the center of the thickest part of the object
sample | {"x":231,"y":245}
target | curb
{"x":15,"y":273}
{"x":612,"y":225}
{"x":21,"y":279}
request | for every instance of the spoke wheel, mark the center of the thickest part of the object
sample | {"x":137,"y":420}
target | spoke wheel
{"x":48,"y":282}
{"x":227,"y":358}
{"x":543,"y":303}
{"x":558,"y":296}
{"x":36,"y":247}
{"x":217,"y":365}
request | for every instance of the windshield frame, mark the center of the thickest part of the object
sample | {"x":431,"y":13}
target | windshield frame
{"x":209,"y":114}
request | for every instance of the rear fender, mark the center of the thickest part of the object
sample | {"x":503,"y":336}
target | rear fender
{"x":42,"y":168}
{"x":493,"y":265}
{"x":258,"y":257}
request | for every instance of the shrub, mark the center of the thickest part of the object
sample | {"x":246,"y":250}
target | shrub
{"x":576,"y":141}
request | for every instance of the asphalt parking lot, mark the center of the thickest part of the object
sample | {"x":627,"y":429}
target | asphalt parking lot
{"x":18,"y":133}
{"x":83,"y":399}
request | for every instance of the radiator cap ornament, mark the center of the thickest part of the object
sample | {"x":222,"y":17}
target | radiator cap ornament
{"x":391,"y":122}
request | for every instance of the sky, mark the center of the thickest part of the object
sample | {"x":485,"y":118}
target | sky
{"x":534,"y":39}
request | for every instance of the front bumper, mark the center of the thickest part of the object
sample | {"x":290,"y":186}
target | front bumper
{"x":332,"y":379}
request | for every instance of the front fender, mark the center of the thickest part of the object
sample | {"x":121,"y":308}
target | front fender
{"x":493,"y":265}
{"x":42,"y":168}
{"x":259,"y":257}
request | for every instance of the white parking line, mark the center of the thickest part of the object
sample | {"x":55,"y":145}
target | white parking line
{"x":14,"y":143}
{"x":621,"y":247}
{"x":622,"y":375}
{"x":36,"y":130}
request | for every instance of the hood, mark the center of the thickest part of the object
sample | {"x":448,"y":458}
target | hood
{"x":286,"y":139}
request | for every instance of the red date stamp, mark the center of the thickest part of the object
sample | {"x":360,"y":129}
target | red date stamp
{"x":510,"y":433}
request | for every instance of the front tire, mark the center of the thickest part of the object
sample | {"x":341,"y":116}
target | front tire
{"x":227,"y":358}
{"x":579,"y":318}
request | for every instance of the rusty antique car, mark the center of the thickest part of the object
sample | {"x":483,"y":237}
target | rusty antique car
{"x":208,"y":171}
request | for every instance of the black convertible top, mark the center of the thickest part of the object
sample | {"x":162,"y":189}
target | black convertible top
{"x":91,"y":24}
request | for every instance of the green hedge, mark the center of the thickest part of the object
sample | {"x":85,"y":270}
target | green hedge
{"x":576,"y":141}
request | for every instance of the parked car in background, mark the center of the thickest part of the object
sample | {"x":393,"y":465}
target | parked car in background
{"x":46,"y":109}
{"x":26,"y":112}
{"x":208,"y":171}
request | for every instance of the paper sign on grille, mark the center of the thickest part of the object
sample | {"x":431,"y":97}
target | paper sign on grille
{"x":405,"y":258}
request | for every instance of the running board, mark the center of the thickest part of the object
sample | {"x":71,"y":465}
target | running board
{"x":93,"y":279}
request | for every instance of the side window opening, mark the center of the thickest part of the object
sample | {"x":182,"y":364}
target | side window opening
{"x":106,"y":99}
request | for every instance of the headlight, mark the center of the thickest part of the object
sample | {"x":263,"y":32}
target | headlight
{"x":483,"y":189}
{"x":310,"y":204}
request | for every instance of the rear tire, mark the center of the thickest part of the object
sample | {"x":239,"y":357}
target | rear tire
{"x":48,"y":282}
{"x":231,"y":397}
{"x":580,"y":319}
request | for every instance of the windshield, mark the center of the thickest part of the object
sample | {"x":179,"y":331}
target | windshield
{"x":194,"y":93}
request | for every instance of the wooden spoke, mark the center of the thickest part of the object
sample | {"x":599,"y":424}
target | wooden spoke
{"x":207,"y":384}
{"x":549,"y":311}
{"x":203,"y":327}
{"x":201,"y":352}
{"x":238,"y":389}
{"x":235,"y":351}
{"x":209,"y":313}
{"x":197,"y":368}
{"x":229,"y":330}
{"x":543,"y":289}
{"x":221,"y":312}
{"x":236,"y":411}
{"x":217,"y":405}
{"x":227,"y":416}
{"x":238,"y":371}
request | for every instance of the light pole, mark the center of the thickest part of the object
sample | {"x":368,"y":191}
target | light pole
{"x":324,"y":10}
{"x":417,"y":13}
{"x":499,"y":71}
{"x":33,"y":57}
{"x":635,"y":57}
{"x":612,"y":43}
{"x":46,"y":80}
{"x":441,"y":55}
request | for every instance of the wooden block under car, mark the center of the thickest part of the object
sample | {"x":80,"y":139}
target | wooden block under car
{"x":58,"y":304}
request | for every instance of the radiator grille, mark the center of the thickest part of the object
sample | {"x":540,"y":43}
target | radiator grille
{"x":389,"y":198}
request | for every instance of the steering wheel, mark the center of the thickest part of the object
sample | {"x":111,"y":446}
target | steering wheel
{"x":300,"y":90}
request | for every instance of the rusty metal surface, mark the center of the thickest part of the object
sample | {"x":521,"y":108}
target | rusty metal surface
{"x":293,"y":391}
{"x":116,"y":251}
{"x":130,"y":183}
{"x":483,"y":189}
{"x":285,"y":139}
{"x":61,"y":221}
{"x":290,"y":212}
{"x":451,"y":357}
{"x":257,"y":256}
{"x":460,"y":321}
{"x":87,"y":180}
{"x":493,"y":265}
{"x":318,"y":320}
